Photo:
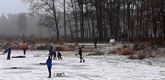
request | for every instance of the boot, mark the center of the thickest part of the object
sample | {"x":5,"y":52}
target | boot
{"x":83,"y":60}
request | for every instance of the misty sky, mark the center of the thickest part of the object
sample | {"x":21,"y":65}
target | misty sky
{"x":12,"y":6}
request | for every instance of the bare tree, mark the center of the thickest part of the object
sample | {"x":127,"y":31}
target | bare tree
{"x":65,"y":19}
{"x":133,"y":19}
{"x":48,"y":7}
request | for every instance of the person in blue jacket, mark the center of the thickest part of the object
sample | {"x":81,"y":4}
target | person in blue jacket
{"x":49,"y":65}
{"x":8,"y":50}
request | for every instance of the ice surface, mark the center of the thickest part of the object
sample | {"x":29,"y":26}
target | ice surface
{"x":95,"y":68}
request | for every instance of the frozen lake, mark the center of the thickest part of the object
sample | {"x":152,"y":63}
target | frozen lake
{"x":95,"y":68}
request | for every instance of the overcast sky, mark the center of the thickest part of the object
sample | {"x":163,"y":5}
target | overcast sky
{"x":12,"y":6}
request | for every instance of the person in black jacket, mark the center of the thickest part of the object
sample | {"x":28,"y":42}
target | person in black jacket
{"x":59,"y":56}
{"x":80,"y":54}
{"x":54,"y":56}
{"x":49,"y":65}
{"x":51,"y":51}
{"x":95,"y":42}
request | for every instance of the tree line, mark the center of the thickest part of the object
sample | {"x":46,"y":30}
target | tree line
{"x":84,"y":20}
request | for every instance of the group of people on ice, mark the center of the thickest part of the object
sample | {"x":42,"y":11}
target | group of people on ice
{"x":57,"y":55}
{"x":52,"y":55}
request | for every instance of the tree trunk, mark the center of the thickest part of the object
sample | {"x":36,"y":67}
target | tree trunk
{"x":82,"y":20}
{"x":65,"y":22}
{"x":71,"y":30}
{"x":56,"y":22}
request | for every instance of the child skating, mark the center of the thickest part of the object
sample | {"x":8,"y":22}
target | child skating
{"x":49,"y":65}
{"x":80,"y":54}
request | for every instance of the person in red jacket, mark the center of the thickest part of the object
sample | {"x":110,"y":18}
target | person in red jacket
{"x":24,"y":47}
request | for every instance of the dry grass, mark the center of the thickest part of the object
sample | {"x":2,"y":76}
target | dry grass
{"x":60,"y":42}
{"x":141,"y":56}
{"x":114,"y":51}
{"x":65,"y":48}
{"x":149,"y":42}
{"x":125,"y":51}
{"x":161,"y":54}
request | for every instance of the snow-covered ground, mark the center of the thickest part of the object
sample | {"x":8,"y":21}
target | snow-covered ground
{"x":111,"y":67}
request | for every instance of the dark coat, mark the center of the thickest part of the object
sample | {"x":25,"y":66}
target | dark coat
{"x":8,"y":50}
{"x":54,"y":53}
{"x":51,"y":50}
{"x":80,"y":52}
{"x":59,"y":54}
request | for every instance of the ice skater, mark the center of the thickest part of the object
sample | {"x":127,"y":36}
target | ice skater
{"x":95,"y":42}
{"x":80,"y":54}
{"x":8,"y":50}
{"x":49,"y":65}
{"x":51,"y":52}
{"x":57,"y":55}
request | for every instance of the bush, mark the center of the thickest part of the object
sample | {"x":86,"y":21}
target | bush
{"x":65,"y":48}
{"x":60,"y":42}
{"x":125,"y":51}
{"x":60,"y":48}
{"x":139,"y":55}
{"x":161,"y":54}
{"x":114,"y":51}
{"x":41,"y":47}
